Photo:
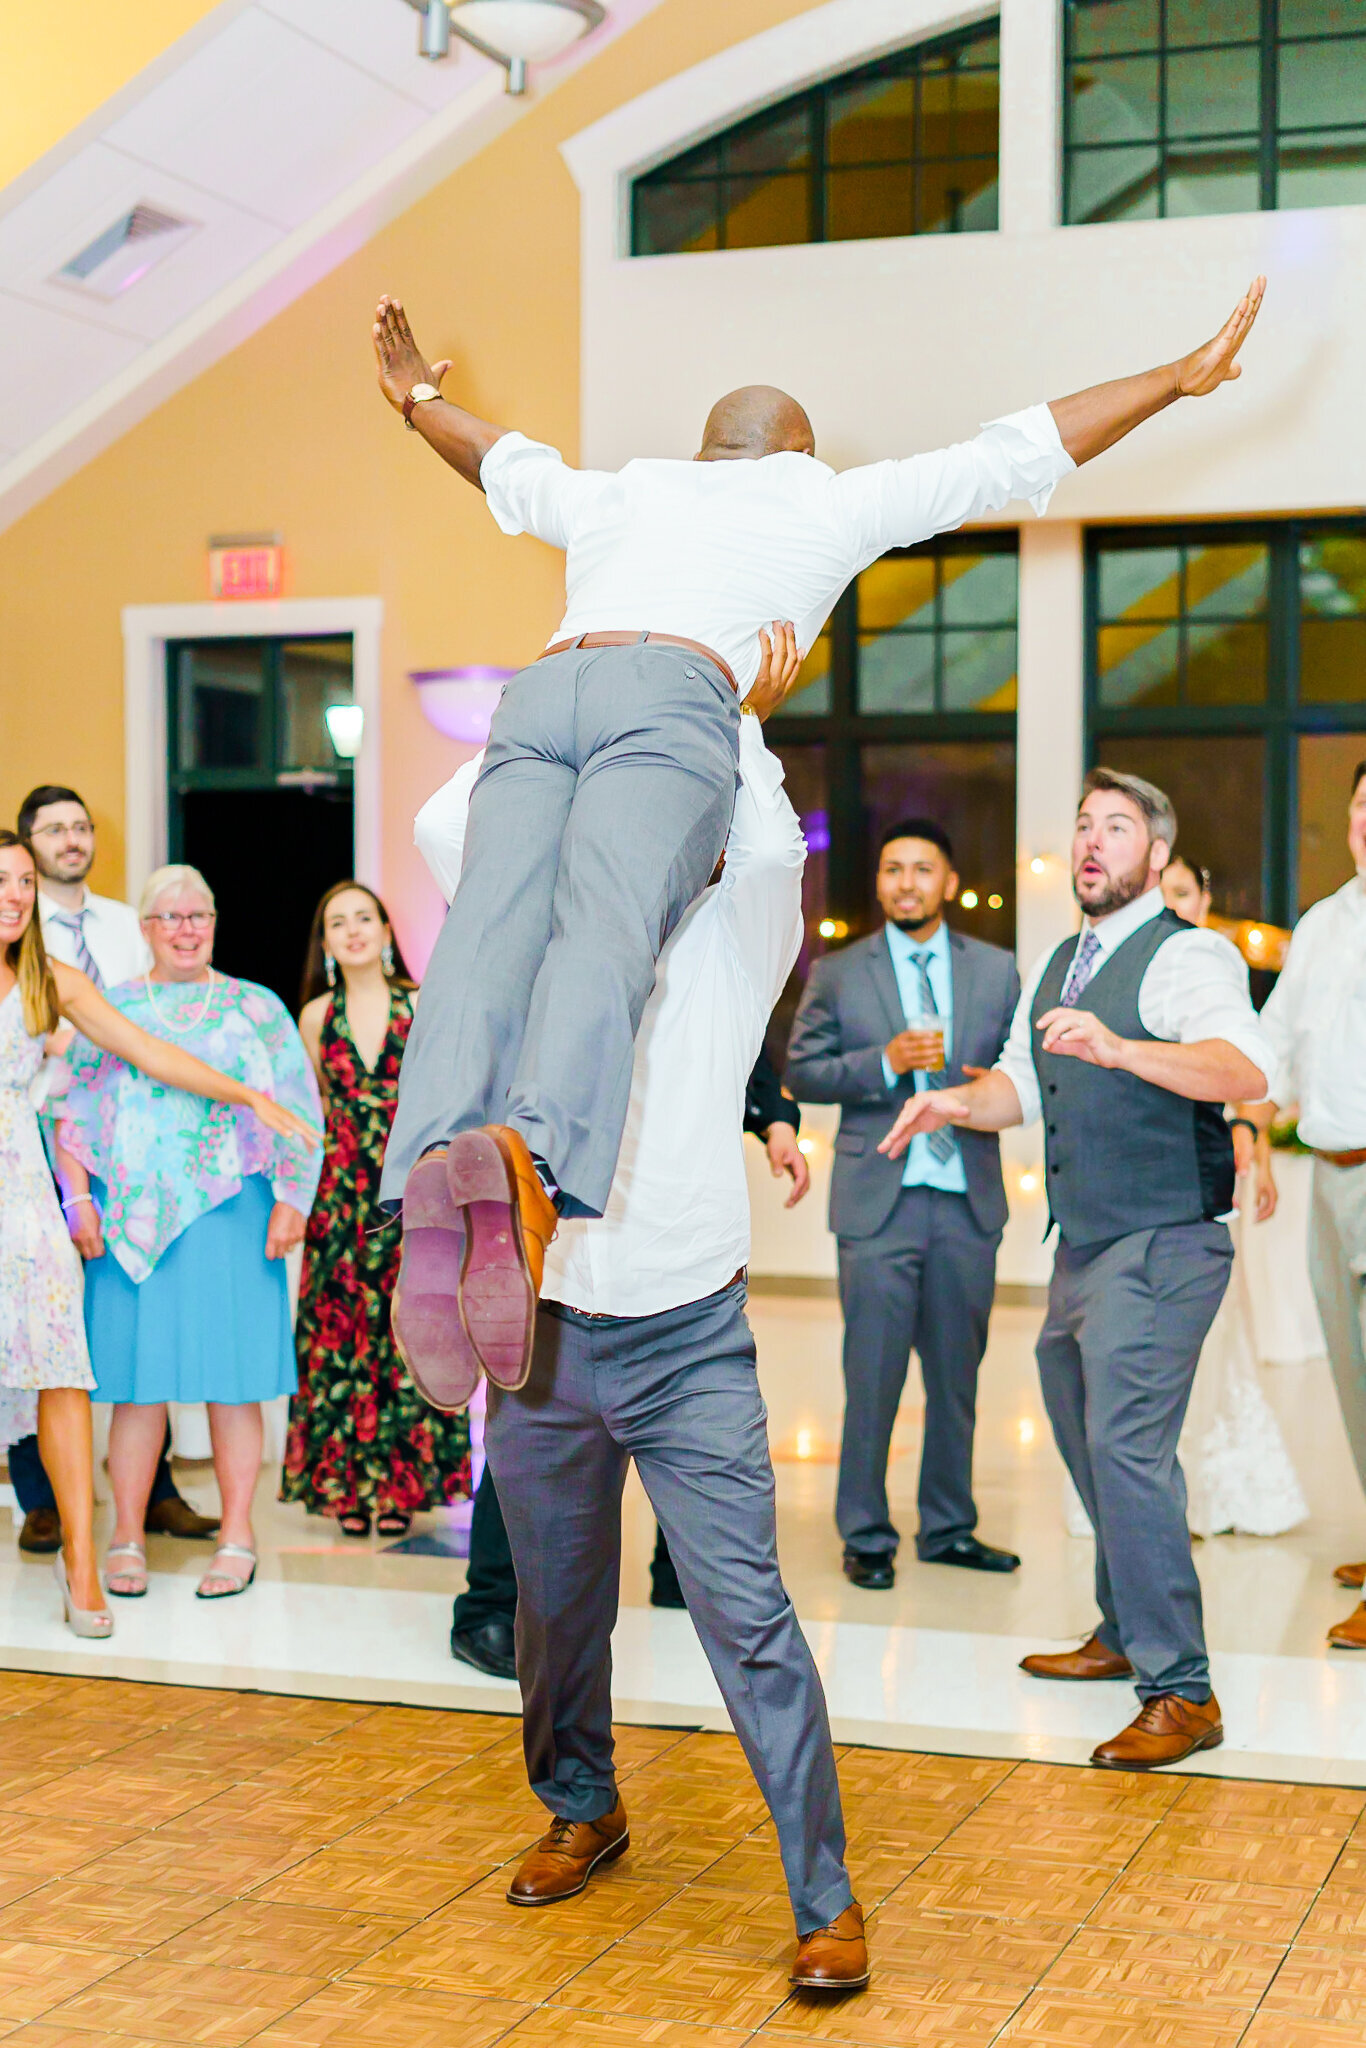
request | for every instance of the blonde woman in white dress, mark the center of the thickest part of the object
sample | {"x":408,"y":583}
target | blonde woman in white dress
{"x":42,"y":1335}
{"x":1239,"y":1477}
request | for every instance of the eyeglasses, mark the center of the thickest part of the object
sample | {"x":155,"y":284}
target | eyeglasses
{"x":80,"y":831}
{"x":172,"y":920}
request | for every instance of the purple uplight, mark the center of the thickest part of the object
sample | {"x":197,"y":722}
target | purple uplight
{"x":460,"y":702}
{"x":816,"y":826}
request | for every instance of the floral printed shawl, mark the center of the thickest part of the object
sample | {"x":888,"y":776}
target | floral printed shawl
{"x":167,"y":1158}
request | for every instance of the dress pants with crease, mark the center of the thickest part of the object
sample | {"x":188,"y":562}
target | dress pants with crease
{"x":924,"y":1282}
{"x":678,"y":1393}
{"x":1117,"y":1357}
{"x":599,"y":815}
{"x":1337,"y":1271}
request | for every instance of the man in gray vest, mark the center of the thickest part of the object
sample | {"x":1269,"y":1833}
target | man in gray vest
{"x":1127,"y":1041}
{"x":900,"y":1012}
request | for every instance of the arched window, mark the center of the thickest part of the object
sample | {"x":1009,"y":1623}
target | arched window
{"x":905,"y":146}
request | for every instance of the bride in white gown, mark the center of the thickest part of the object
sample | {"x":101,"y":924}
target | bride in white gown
{"x":1239,"y":1477}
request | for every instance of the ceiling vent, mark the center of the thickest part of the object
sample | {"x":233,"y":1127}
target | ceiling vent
{"x":126,"y":251}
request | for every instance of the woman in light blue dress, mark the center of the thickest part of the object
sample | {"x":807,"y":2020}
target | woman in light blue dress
{"x":185,"y":1291}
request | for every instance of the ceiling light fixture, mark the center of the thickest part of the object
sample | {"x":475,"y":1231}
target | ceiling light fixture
{"x":514,"y":33}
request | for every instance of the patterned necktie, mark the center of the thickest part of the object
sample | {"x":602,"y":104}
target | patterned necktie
{"x":84,"y":958}
{"x":1080,"y":972}
{"x":942,"y":1143}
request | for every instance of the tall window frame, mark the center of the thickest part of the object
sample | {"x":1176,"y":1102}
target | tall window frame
{"x":793,"y":172}
{"x":1239,"y":95}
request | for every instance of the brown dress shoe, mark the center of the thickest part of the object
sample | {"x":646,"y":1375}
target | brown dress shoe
{"x":1091,"y":1660}
{"x":1166,"y":1729}
{"x":41,"y":1534}
{"x":833,"y":1958}
{"x":1353,"y":1575}
{"x":1350,"y":1634}
{"x":562,"y":1862}
{"x":175,"y":1517}
{"x":509,"y":1221}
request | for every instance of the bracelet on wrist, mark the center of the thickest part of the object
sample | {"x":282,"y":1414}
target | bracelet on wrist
{"x":1243,"y":1123}
{"x":74,"y":1202}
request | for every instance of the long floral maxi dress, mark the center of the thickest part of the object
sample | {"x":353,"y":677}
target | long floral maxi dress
{"x":361,"y":1438}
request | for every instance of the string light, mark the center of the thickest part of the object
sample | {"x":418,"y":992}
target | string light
{"x":1037,"y":865}
{"x":968,"y":899}
{"x":995,"y":902}
{"x":804,"y":1444}
{"x":1028,"y":1183}
{"x":1256,"y":938}
{"x":806,"y":1145}
{"x":1026,"y":1430}
{"x":833,"y":928}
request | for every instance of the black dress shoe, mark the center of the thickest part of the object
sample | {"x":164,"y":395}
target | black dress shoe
{"x":975,"y":1556}
{"x":490,"y":1649}
{"x":874,"y":1570}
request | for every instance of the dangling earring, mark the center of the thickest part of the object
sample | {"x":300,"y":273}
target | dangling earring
{"x":330,"y":969}
{"x":387,"y":959}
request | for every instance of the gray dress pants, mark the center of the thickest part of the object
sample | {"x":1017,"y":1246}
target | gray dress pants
{"x":926,"y":1281}
{"x":1337,"y":1270}
{"x":599,"y":816}
{"x":678,"y":1393}
{"x":1117,"y":1357}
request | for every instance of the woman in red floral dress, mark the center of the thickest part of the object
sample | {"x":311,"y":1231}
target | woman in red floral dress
{"x":363,"y":1445}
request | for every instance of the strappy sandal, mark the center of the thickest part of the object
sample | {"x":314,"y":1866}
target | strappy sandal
{"x":135,"y":1581}
{"x":393,"y":1524}
{"x":236,"y":1585}
{"x":355,"y":1523}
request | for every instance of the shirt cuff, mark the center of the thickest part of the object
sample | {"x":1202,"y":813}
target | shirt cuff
{"x":888,"y":1073}
{"x":505,"y":466}
{"x":1033,"y":446}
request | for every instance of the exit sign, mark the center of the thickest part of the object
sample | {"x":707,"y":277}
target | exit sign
{"x":246,"y":565}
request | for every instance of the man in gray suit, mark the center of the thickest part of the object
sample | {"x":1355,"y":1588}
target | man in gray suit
{"x":914,"y":1007}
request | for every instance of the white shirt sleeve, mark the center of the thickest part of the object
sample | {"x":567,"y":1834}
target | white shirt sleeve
{"x":532,"y":489}
{"x":895,"y":504}
{"x":439,"y":828}
{"x":1017,"y":1054}
{"x":1197,"y":987}
{"x":761,"y":884}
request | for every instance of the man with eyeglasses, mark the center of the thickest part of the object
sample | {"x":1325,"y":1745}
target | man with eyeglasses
{"x":102,"y":937}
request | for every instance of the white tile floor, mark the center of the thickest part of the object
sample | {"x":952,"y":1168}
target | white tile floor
{"x":932,"y":1664}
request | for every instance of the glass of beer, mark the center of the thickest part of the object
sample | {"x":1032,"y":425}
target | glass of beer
{"x":932,"y":1027}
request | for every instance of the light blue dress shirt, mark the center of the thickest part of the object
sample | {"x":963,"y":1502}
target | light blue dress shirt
{"x":923,"y":1170}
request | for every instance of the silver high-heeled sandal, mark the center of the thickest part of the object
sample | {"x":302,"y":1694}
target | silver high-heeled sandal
{"x":94,"y":1623}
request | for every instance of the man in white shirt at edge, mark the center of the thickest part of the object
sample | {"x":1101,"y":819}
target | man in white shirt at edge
{"x":609,"y":777}
{"x":1315,"y":1018}
{"x":1139,"y":1162}
{"x":642,"y":1350}
{"x":104,"y":939}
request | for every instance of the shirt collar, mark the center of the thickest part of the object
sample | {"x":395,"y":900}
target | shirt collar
{"x":904,"y":947}
{"x":47,"y":908}
{"x":1112,"y":931}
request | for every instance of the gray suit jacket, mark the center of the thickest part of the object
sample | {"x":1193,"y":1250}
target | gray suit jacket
{"x":849,"y":1011}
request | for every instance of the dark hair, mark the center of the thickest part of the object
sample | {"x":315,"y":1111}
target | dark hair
{"x":1154,"y":805}
{"x":918,"y":828}
{"x":315,"y":982}
{"x":1357,"y":774}
{"x":39,"y":799}
{"x":1204,"y":876}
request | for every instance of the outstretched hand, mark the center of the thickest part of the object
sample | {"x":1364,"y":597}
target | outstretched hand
{"x":276,"y":1117}
{"x":1205,"y":369}
{"x":780,"y":661}
{"x":1082,"y":1036}
{"x":927,"y":1112}
{"x":401,"y":362}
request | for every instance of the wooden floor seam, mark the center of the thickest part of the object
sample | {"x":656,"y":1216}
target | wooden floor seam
{"x":182,"y":1868}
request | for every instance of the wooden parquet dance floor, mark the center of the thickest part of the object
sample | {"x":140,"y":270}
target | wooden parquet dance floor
{"x":209,"y":1868}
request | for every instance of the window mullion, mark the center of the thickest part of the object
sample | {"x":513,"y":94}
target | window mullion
{"x":1268,"y":108}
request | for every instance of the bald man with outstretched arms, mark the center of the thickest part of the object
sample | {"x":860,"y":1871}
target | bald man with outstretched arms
{"x":609,"y":779}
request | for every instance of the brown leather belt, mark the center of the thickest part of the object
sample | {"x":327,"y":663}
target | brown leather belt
{"x":652,"y":639}
{"x":589,"y":1315}
{"x":1357,"y":1158}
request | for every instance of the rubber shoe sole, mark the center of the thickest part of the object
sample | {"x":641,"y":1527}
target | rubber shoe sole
{"x":428,"y":1332}
{"x":497,"y":1297}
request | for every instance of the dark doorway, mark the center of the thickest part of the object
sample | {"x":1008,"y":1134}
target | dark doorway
{"x":260,"y":798}
{"x":268,"y":855}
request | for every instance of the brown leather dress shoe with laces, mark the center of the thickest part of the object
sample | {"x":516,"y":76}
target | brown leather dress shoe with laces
{"x":562,"y":1861}
{"x":1165,"y":1730}
{"x":833,"y":1958}
{"x":1350,"y":1634}
{"x":509,"y":1221}
{"x":1353,"y":1575}
{"x":1091,"y":1660}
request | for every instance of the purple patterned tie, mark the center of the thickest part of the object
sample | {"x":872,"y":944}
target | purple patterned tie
{"x":84,"y":958}
{"x":1082,"y":968}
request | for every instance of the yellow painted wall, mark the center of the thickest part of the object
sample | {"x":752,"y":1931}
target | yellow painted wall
{"x":58,"y":65}
{"x":289,"y":432}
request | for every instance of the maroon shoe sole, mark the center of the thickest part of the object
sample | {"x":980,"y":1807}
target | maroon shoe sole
{"x":427,"y":1328}
{"x":497,"y":1295}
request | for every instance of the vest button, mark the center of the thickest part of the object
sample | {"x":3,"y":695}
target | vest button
{"x":1055,"y":1169}
{"x":1052,"y":1087}
{"x":1052,"y":1130}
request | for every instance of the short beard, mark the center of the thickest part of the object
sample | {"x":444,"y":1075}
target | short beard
{"x":914,"y":924}
{"x":1119,"y":891}
{"x":50,"y":874}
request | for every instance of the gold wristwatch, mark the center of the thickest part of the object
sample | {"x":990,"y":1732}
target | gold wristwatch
{"x":419,"y":395}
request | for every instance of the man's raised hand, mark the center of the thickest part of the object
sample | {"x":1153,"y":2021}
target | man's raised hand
{"x":927,"y":1112}
{"x":1205,"y":369}
{"x":780,"y":661}
{"x":401,"y":362}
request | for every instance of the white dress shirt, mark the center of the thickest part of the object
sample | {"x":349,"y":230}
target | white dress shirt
{"x":112,"y":935}
{"x":677,"y":1226}
{"x":1315,"y":1018}
{"x":713,"y":551}
{"x":1195,"y":987}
